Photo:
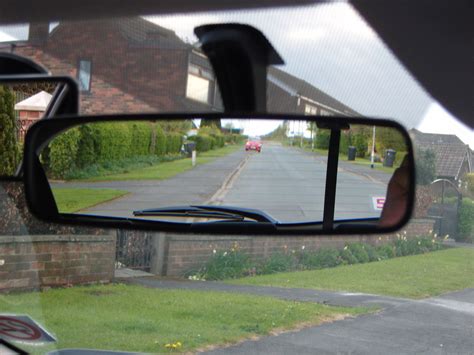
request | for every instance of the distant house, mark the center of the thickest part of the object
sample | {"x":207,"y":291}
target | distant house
{"x":133,"y":65}
{"x":287,"y":93}
{"x":454,"y":158}
{"x":31,"y":110}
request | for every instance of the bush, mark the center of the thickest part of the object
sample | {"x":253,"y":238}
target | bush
{"x":62,"y":153}
{"x":385,"y":251}
{"x":425,"y":165}
{"x":470,"y":183}
{"x":159,"y":141}
{"x":359,"y":252}
{"x":347,"y":257}
{"x":203,"y":142}
{"x":322,"y":258}
{"x":466,"y":221}
{"x":225,"y":265}
{"x":322,"y":138}
{"x":277,"y":262}
{"x":9,"y":152}
{"x":361,"y":144}
{"x":174,"y":141}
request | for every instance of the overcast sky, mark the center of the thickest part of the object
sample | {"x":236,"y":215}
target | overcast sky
{"x":332,"y":48}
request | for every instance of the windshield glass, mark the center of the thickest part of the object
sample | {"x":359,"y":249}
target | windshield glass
{"x":70,"y":287}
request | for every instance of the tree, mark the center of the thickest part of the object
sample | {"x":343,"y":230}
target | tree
{"x":425,"y":165}
{"x":9,"y":152}
{"x":208,"y":122}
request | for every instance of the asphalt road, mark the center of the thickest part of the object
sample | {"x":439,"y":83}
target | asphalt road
{"x":284,"y":182}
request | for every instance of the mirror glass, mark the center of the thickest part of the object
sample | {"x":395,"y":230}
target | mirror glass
{"x":22,"y":103}
{"x":276,"y":167}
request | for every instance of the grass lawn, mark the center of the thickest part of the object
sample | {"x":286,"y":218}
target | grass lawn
{"x":135,"y":318}
{"x":417,"y":276}
{"x":167,"y":170}
{"x":71,"y":200}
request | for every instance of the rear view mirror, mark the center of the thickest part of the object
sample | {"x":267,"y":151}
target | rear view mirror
{"x":270,"y":174}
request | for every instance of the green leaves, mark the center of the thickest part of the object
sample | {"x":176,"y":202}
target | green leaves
{"x":9,"y":152}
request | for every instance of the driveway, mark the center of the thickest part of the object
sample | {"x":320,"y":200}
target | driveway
{"x":439,"y":325}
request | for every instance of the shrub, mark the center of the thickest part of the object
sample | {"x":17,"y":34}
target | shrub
{"x":385,"y":251}
{"x":203,"y":142}
{"x":9,"y":152}
{"x":347,"y":257}
{"x":425,"y":166}
{"x":361,"y":144}
{"x":159,"y":141}
{"x":225,"y":265}
{"x":322,"y":138}
{"x":466,"y":221}
{"x":359,"y":252}
{"x":62,"y":153}
{"x":277,"y":262}
{"x":322,"y":258}
{"x":174,"y":141}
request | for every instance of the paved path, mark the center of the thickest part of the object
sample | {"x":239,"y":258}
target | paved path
{"x":439,"y":325}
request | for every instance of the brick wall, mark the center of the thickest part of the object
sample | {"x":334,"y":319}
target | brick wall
{"x":180,"y":253}
{"x":36,"y":261}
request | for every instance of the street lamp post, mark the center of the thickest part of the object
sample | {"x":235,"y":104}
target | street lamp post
{"x":372,"y":153}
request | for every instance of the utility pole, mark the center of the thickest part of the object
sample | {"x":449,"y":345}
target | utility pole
{"x":372,"y":153}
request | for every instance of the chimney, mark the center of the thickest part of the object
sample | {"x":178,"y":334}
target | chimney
{"x":38,"y":33}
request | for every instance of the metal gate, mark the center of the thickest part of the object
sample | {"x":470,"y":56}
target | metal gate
{"x":133,"y":250}
{"x":445,"y":207}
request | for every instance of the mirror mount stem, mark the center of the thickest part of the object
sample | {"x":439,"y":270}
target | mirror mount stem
{"x":331,"y":179}
{"x":240,"y":55}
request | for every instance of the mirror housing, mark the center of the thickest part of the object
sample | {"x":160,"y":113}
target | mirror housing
{"x":227,"y":219}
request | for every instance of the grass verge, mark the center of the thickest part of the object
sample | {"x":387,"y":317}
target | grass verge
{"x":71,"y":200}
{"x":416,"y":276}
{"x":135,"y":318}
{"x":167,"y":170}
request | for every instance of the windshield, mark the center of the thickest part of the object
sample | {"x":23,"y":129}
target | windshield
{"x":69,"y":287}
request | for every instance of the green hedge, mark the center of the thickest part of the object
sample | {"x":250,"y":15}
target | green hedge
{"x":107,"y":143}
{"x":174,"y":141}
{"x":466,"y":221}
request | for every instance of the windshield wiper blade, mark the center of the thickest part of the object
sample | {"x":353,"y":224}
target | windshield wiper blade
{"x":215,"y":212}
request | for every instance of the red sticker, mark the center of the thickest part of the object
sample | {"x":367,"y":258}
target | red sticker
{"x":17,"y":329}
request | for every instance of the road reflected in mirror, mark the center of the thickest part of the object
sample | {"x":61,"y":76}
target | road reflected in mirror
{"x":226,"y":170}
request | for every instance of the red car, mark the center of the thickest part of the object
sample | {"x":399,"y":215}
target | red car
{"x":253,"y":144}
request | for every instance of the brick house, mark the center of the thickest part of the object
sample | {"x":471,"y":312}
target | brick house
{"x":147,"y":68}
{"x":454,"y":158}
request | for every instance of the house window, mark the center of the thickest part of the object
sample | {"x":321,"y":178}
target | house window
{"x":84,"y":75}
{"x":326,"y":113}
{"x":310,"y":110}
{"x":200,"y":86}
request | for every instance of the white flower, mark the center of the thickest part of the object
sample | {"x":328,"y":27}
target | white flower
{"x":302,"y":248}
{"x":225,"y":253}
{"x":345,"y":248}
{"x":214,"y":251}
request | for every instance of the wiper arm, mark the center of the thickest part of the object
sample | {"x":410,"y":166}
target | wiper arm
{"x":215,"y":212}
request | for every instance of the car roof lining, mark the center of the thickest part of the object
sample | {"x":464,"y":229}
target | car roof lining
{"x":432,"y":38}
